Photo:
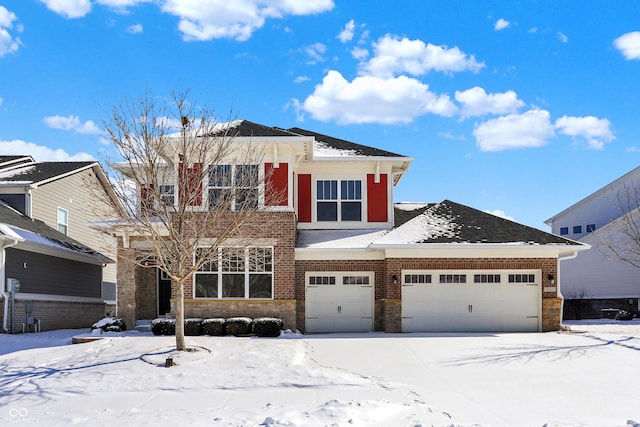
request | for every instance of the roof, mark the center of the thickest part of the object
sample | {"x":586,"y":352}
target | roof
{"x":38,"y":233}
{"x":345,"y":146}
{"x":450,"y":222}
{"x":43,"y":171}
{"x":245,"y":128}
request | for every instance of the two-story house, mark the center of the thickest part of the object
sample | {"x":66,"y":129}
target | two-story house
{"x":597,"y":279}
{"x":342,"y":256}
{"x":63,"y":196}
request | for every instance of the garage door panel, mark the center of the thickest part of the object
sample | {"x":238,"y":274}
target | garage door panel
{"x":470,"y":307}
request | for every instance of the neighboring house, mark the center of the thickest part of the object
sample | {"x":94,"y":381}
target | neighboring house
{"x":343,"y":257}
{"x":60,"y":278}
{"x":596,"y":280}
{"x":65,"y":196}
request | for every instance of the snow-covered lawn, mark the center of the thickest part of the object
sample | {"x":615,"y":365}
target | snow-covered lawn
{"x":586,"y":377}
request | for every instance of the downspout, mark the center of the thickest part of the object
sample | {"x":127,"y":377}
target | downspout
{"x":570,"y":256}
{"x":3,"y":285}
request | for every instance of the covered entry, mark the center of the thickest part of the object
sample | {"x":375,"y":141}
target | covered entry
{"x":471,"y":301}
{"x":339,"y":301}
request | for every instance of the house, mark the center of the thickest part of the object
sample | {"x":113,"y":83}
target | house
{"x":64,"y":196}
{"x":59,"y":279}
{"x":343,"y":257}
{"x":595,"y":280}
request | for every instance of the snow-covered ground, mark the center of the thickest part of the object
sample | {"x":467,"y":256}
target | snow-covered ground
{"x":586,"y":377}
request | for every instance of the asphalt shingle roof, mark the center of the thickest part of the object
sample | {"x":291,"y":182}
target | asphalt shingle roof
{"x":37,"y":172}
{"x":341,"y":144}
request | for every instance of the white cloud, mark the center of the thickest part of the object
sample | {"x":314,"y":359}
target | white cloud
{"x":214,"y":19}
{"x":563,"y":38}
{"x":595,"y":131}
{"x":449,"y":135}
{"x":301,"y":79}
{"x":530,"y":129}
{"x":316,"y":52}
{"x":135,"y":29}
{"x":370,"y":99}
{"x":476,"y":102}
{"x":69,"y":8}
{"x":501,"y":24}
{"x":500,"y":213}
{"x":346,"y":34}
{"x":121,"y":4}
{"x":72,"y":123}
{"x":359,"y":53}
{"x":397,"y":56}
{"x":8,"y":43}
{"x":632,"y":149}
{"x":629,"y":45}
{"x":39,"y":152}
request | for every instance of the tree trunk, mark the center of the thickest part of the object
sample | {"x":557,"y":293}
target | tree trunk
{"x":180,"y":342}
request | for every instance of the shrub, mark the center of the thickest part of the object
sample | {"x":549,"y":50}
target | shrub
{"x":110,"y":324}
{"x":192,"y":327}
{"x":162,"y":326}
{"x":624,"y":315}
{"x":238,"y":326}
{"x":214,"y":327}
{"x":267,"y":327}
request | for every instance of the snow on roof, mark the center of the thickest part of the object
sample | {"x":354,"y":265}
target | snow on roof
{"x":18,"y":171}
{"x":410,"y":206}
{"x":322,"y":149}
{"x":337,"y":239}
{"x":426,"y":226}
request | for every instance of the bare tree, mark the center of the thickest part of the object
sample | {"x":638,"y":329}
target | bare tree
{"x":167,"y":153}
{"x":620,"y":240}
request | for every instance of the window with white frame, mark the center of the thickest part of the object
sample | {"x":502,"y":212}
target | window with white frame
{"x":453,"y":278}
{"x":339,"y":203}
{"x":233,"y":187}
{"x":167,"y":194}
{"x":417,"y":278}
{"x":522,"y":278}
{"x":63,"y":220}
{"x":235,"y":272}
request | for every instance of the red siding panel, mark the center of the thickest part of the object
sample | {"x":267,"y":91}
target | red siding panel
{"x":190,"y":182}
{"x":276,"y":184}
{"x":377,"y":199}
{"x":304,"y":198}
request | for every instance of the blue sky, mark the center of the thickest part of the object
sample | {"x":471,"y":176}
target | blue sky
{"x":519,"y":108}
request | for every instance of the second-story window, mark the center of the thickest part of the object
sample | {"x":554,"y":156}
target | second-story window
{"x":233,"y":187}
{"x":167,"y":193}
{"x":339,"y":202}
{"x":63,"y":220}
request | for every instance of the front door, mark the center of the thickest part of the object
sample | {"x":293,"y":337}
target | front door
{"x":164,"y":293}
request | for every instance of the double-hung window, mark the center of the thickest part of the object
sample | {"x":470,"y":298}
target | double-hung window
{"x":235,"y":272}
{"x":233,"y":187}
{"x":339,"y":202}
{"x":63,"y":220}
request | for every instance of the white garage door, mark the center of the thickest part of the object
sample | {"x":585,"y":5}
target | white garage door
{"x":471,"y":301}
{"x":339,"y":302}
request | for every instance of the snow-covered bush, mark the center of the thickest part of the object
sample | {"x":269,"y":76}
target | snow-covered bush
{"x":162,"y":326}
{"x":624,"y":315}
{"x":110,"y":324}
{"x":267,"y":327}
{"x":238,"y":326}
{"x":214,"y":327}
{"x":192,"y":327}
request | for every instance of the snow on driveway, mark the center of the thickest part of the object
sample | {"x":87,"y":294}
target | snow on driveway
{"x":585,"y":377}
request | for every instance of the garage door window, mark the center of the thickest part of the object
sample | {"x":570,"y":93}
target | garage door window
{"x":453,"y":278}
{"x":322,"y":280}
{"x":417,"y":278}
{"x":355,"y":280}
{"x":486,"y":278}
{"x":522,"y":278}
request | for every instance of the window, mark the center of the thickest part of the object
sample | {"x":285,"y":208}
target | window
{"x":591,"y":228}
{"x":322,"y":280}
{"x":167,"y":193}
{"x":241,"y":273}
{"x":63,"y":221}
{"x":486,"y":278}
{"x":522,"y":278}
{"x":564,"y":231}
{"x":233,"y":187}
{"x":577,"y":229}
{"x":453,"y":278}
{"x":355,"y":280}
{"x":339,"y":203}
{"x":417,"y":278}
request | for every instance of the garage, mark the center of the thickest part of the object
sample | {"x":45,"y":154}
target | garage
{"x":471,"y":301}
{"x":339,"y":302}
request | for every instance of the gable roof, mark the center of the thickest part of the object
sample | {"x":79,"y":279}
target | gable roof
{"x":12,"y":161}
{"x":345,"y":146}
{"x":42,"y":172}
{"x":36,"y":233}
